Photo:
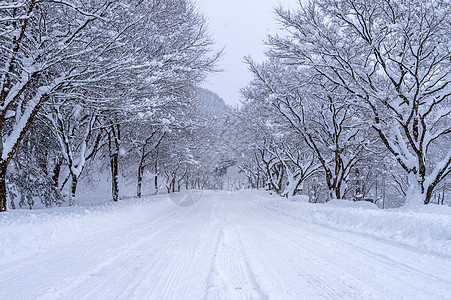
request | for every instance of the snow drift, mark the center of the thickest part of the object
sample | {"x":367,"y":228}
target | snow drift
{"x":426,"y":228}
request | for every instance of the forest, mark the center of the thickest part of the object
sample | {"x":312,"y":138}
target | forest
{"x":352,"y":102}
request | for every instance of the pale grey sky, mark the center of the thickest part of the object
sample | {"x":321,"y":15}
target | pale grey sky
{"x":240,"y":26}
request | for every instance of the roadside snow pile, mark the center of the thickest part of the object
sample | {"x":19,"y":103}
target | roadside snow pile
{"x":426,"y":228}
{"x":25,"y":232}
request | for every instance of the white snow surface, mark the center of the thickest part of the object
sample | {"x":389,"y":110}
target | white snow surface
{"x":228,"y":245}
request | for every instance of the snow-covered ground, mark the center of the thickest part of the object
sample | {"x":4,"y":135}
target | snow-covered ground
{"x":240,"y":245}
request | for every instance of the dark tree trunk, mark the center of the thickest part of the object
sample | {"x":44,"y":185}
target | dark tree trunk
{"x":173,"y":184}
{"x":3,"y":168}
{"x":113,"y":146}
{"x":73,"y":190}
{"x":156,"y":184}
{"x":56,"y":172}
{"x":156,"y":178}
{"x":114,"y":176}
{"x":429,"y":192}
{"x":140,"y":180}
{"x":258,"y":179}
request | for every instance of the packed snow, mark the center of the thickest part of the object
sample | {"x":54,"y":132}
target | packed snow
{"x":225,"y":245}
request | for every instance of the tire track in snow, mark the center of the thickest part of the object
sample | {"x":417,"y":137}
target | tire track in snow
{"x":84,"y":285}
{"x":276,"y":281}
{"x":177,"y":273}
{"x":156,"y":267}
{"x":385,"y":265}
{"x":279,"y":277}
{"x":135,"y":287}
{"x":322,"y":256}
{"x":269,"y":259}
{"x":333,"y":264}
{"x":293,"y":252}
{"x":67,"y":262}
{"x":338,"y":263}
{"x":392,"y":264}
{"x":288,"y":259}
{"x":232,"y":274}
{"x":171,"y":281}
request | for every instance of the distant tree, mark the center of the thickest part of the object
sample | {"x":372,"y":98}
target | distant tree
{"x":143,"y":142}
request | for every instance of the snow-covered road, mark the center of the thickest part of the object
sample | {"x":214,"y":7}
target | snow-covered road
{"x":227,"y":246}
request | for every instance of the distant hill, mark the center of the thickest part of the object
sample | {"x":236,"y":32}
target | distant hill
{"x":210,"y":103}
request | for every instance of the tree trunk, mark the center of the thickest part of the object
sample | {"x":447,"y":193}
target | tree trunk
{"x":428,"y":197}
{"x":338,"y":192}
{"x":3,"y":168}
{"x":56,"y":172}
{"x":258,"y":179}
{"x":140,"y":179}
{"x":114,"y":157}
{"x":73,"y":190}
{"x":156,"y":178}
{"x":113,"y":147}
{"x":173,"y":184}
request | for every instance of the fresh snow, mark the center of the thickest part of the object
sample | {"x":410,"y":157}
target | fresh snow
{"x":226,"y":245}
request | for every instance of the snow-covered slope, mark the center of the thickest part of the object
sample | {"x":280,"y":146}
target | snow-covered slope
{"x":426,"y":229}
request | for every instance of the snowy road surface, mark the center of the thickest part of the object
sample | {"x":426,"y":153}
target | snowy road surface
{"x":227,"y":246}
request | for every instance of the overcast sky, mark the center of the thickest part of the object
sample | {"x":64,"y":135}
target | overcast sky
{"x":240,"y":26}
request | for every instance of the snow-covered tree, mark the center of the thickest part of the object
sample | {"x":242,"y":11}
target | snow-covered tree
{"x":31,"y":175}
{"x":78,"y":136}
{"x":43,"y":46}
{"x":319,"y":113}
{"x":116,"y":59}
{"x":169,"y":54}
{"x":393,"y":60}
{"x":200,"y":144}
{"x":299,"y":165}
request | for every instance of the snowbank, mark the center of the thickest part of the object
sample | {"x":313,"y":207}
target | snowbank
{"x":426,"y":228}
{"x":25,"y":232}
